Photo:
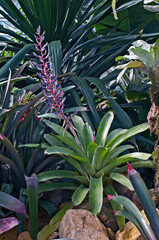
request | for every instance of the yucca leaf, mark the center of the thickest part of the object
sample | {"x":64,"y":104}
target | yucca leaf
{"x":88,"y":94}
{"x":55,"y":53}
{"x":85,"y":116}
{"x":123,"y":118}
{"x":13,"y":63}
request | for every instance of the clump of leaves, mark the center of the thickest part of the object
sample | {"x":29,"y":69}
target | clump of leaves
{"x":97,"y":160}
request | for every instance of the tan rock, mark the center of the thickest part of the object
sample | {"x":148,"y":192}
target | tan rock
{"x":81,"y":224}
{"x":131,"y":232}
{"x":24,"y":236}
{"x":106,"y":216}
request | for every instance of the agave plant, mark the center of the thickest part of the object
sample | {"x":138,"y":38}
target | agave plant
{"x":96,"y":160}
{"x":133,"y":214}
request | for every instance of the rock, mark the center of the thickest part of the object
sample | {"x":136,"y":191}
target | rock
{"x":24,"y":236}
{"x":106,"y":215}
{"x":131,"y":232}
{"x":81,"y":224}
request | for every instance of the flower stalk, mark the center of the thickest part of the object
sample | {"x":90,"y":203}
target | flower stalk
{"x":53,"y":92}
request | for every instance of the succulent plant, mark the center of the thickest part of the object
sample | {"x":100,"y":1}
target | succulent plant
{"x":96,"y":160}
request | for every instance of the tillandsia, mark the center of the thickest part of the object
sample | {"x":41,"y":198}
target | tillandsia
{"x":53,"y":92}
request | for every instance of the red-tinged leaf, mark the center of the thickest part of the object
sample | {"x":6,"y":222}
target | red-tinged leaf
{"x":130,"y":168}
{"x":11,"y":203}
{"x":8,"y":223}
{"x":110,"y":197}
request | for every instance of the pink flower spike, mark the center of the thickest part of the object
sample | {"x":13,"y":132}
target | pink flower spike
{"x":115,"y":212}
{"x":110,"y":197}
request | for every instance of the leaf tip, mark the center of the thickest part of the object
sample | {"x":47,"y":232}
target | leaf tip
{"x":115,"y":212}
{"x":110,"y":197}
{"x":130,"y":168}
